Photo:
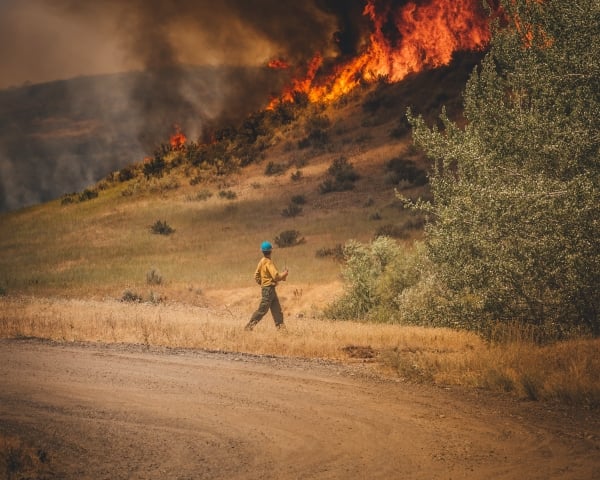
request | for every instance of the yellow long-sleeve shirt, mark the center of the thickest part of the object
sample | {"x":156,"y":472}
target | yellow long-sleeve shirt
{"x":266,"y":274}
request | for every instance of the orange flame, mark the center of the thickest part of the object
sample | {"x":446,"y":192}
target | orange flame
{"x":425,"y":35}
{"x":278,"y":64}
{"x":178,"y":139}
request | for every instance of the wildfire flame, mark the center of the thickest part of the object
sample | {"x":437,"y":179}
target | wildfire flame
{"x":278,"y":64}
{"x":404,"y":40}
{"x":178,"y":139}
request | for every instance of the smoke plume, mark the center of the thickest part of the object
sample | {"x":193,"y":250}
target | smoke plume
{"x":195,"y":61}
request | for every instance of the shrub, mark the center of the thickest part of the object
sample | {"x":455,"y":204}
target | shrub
{"x":227,"y":194}
{"x":391,"y":230}
{"x":401,"y":129}
{"x":341,"y":177}
{"x":289,"y":238}
{"x":130,"y":189}
{"x":161,"y":227}
{"x":373,"y":102}
{"x":291,"y":210}
{"x":337,"y":252}
{"x":154,"y":167}
{"x":299,"y":199}
{"x":317,"y":122}
{"x":202,"y":195}
{"x":402,"y":170}
{"x":414,"y":223}
{"x":68,"y":198}
{"x":374,"y":275}
{"x":156,"y":298}
{"x":153,"y":277}
{"x":87,"y":194}
{"x":125,"y":174}
{"x":296,"y":176}
{"x":195,"y":180}
{"x":163,"y":185}
{"x":315,"y":139}
{"x":131,"y":296}
{"x":273,"y":168}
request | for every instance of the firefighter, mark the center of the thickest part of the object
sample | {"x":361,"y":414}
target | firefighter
{"x":267,"y":277}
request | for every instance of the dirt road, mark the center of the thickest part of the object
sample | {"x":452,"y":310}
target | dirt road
{"x":121,"y":412}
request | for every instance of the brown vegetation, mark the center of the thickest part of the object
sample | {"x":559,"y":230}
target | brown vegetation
{"x":567,"y":371}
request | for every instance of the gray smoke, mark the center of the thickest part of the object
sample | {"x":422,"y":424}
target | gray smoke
{"x":62,"y":136}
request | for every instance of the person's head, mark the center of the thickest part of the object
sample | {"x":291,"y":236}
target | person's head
{"x":266,"y":248}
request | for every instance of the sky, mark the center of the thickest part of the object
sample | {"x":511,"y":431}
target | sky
{"x":39,"y":43}
{"x":44,"y":40}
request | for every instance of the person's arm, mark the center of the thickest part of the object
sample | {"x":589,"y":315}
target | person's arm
{"x":283,"y":275}
{"x":279,"y":277}
{"x":275,"y":275}
{"x":257,"y":275}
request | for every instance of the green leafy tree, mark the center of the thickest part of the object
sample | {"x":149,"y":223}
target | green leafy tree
{"x":515,"y":223}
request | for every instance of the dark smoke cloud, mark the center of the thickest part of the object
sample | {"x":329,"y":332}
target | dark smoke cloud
{"x":93,"y":126}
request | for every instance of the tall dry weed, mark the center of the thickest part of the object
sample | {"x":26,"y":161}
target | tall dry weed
{"x":567,"y":371}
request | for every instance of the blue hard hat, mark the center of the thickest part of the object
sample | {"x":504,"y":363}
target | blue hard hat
{"x":266,"y":246}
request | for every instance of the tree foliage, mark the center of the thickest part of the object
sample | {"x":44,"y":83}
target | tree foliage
{"x":515,"y":218}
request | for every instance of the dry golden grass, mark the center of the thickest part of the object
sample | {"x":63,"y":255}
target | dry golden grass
{"x":567,"y":371}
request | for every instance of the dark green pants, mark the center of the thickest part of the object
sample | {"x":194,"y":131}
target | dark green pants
{"x":268,"y":301}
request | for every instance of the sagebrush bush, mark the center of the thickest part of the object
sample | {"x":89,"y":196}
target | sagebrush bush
{"x":161,"y":227}
{"x":227,"y":194}
{"x":374,"y":275}
{"x":202,"y":195}
{"x":298,"y":199}
{"x":341,"y":176}
{"x":131,"y":297}
{"x":85,"y":195}
{"x":88,"y":194}
{"x":391,"y":230}
{"x":292,"y":210}
{"x":289,"y":238}
{"x":155,"y":167}
{"x":317,"y":135}
{"x":405,"y":171}
{"x":163,"y":185}
{"x":401,"y":129}
{"x":273,"y":168}
{"x":68,"y":198}
{"x":337,"y":252}
{"x":126,"y":173}
{"x":317,"y":139}
{"x":154,"y":277}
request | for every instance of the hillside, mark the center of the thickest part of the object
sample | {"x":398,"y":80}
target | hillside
{"x":62,"y":136}
{"x":103,"y":246}
{"x":87,"y":267}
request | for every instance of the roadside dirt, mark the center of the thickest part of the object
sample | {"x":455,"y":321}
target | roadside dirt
{"x":124,"y":412}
